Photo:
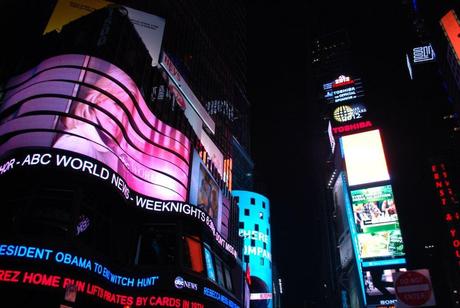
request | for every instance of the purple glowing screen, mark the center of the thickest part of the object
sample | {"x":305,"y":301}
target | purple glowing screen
{"x":86,"y":105}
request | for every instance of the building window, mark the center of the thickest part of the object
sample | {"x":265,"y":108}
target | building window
{"x":261,"y":261}
{"x":253,"y":243}
{"x":246,"y":258}
{"x":246,"y":212}
{"x":157,"y":246}
{"x":263,"y":204}
{"x":228,"y":279}
{"x":265,"y":245}
{"x":256,"y":227}
{"x":193,"y":256}
{"x":219,"y":272}
{"x":253,"y":201}
{"x":261,"y":215}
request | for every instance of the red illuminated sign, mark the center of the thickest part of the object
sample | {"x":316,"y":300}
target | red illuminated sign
{"x":351,"y":127}
{"x":451,"y":27}
{"x":342,"y":81}
{"x":450,"y":205}
{"x":413,"y":288}
{"x":57,"y":281}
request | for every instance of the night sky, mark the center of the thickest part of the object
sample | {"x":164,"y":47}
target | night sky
{"x":286,"y":121}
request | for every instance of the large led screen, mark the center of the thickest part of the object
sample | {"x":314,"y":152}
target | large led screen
{"x":379,"y":286}
{"x":377,"y":222}
{"x":255,"y":231}
{"x":364,"y":158}
{"x":204,"y":191}
{"x":84,"y":105}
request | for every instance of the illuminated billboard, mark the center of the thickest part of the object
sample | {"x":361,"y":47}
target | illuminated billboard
{"x":379,"y":285}
{"x":149,"y":27}
{"x":343,"y":89}
{"x":364,"y":158}
{"x":84,"y":105}
{"x":451,"y":27}
{"x":255,"y":231}
{"x":376,"y":222}
{"x":204,"y":191}
{"x":346,"y":113}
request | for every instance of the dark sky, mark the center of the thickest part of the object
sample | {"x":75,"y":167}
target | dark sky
{"x":286,"y":121}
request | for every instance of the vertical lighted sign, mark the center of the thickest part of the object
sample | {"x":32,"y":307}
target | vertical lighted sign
{"x":450,"y":206}
{"x":372,"y":215}
{"x":255,"y":230}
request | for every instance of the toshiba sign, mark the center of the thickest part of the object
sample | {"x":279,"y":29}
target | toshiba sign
{"x":351,"y":127}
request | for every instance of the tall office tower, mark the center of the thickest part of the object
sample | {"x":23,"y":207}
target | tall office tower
{"x":257,"y":258}
{"x":330,"y":53}
{"x":360,"y":219}
{"x":118,"y":170}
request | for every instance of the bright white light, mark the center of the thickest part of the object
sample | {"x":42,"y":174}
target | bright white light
{"x":364,"y":158}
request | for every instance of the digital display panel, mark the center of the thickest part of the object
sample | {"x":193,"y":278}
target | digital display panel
{"x":204,"y":191}
{"x":85,"y":105}
{"x":379,"y":285}
{"x":364,"y":158}
{"x":209,"y":265}
{"x":346,"y":113}
{"x":343,"y":89}
{"x":255,"y":231}
{"x":377,"y":222}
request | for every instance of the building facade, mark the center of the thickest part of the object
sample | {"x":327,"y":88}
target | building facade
{"x":118,"y":163}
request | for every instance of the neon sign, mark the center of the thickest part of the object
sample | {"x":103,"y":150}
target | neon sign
{"x":423,"y":54}
{"x":347,"y":113}
{"x":351,"y":127}
{"x":58,"y":281}
{"x":341,"y":81}
{"x":220,"y":297}
{"x":66,"y":258}
{"x":450,"y":205}
{"x":72,"y":162}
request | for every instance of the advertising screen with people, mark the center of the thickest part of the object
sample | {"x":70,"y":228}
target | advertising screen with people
{"x":204,"y":191}
{"x":376,"y":222}
{"x":85,"y":105}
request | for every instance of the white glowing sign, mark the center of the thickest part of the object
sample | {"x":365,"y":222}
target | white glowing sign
{"x":364,"y":158}
{"x":423,"y":54}
{"x":342,"y":79}
{"x":347,"y":113}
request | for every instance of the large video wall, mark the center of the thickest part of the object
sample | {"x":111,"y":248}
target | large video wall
{"x":88,"y":106}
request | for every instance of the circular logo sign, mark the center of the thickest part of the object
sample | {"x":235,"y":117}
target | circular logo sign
{"x":413,"y":288}
{"x":179,"y":282}
{"x":343,"y":113}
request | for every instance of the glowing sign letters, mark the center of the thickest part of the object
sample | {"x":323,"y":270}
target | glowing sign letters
{"x":423,"y":54}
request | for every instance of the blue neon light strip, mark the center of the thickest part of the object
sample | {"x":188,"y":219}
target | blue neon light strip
{"x":353,"y":232}
{"x":384,"y":262}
